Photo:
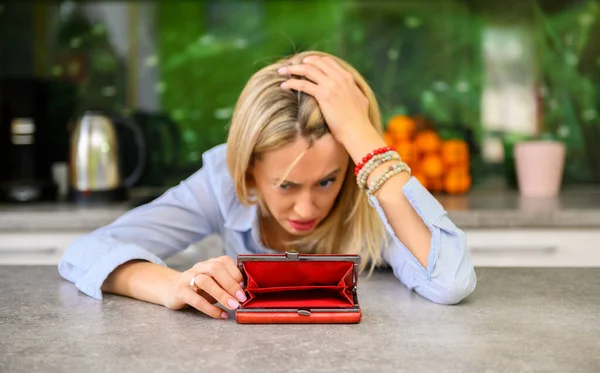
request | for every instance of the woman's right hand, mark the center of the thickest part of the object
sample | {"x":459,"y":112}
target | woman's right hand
{"x":217,"y":280}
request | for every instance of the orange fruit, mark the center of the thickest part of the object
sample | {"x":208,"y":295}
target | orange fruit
{"x":422,"y":123}
{"x":388,"y":138}
{"x":462,"y":168}
{"x":407,"y":151}
{"x":402,"y":136}
{"x":436,"y":184}
{"x":455,"y":152}
{"x":428,"y":142}
{"x":432,"y":166}
{"x":457,"y":182}
{"x":402,"y":127}
{"x":414,"y":168}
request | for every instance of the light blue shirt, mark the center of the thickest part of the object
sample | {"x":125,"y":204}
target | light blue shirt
{"x":206,"y":203}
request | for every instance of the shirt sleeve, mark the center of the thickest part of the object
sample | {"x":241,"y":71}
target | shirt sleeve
{"x":183,"y":215}
{"x":450,"y":275}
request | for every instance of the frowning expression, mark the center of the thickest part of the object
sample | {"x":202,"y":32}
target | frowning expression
{"x":303,"y":197}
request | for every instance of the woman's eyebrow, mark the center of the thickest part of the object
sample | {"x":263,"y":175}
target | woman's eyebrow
{"x":329,"y":175}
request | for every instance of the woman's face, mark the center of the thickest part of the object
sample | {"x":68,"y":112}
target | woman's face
{"x":305,"y":197}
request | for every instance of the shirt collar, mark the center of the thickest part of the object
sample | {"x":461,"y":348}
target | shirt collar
{"x":245,"y":219}
{"x":240,"y":218}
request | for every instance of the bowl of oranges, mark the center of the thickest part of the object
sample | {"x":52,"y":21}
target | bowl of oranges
{"x":440,"y":165}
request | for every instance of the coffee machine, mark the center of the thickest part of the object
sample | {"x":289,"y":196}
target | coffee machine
{"x":34,"y":117}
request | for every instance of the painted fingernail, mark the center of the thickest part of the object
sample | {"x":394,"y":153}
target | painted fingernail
{"x":284,"y":85}
{"x":241,"y":296}
{"x":224,"y":315}
{"x":282,"y":70}
{"x":242,"y":284}
{"x":233,"y":303}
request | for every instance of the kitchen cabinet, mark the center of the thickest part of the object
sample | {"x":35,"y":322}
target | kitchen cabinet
{"x":32,"y":248}
{"x":534,"y":247}
{"x":487,"y":247}
{"x":27,"y":248}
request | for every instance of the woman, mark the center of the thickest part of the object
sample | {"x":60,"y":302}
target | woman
{"x":284,"y":181}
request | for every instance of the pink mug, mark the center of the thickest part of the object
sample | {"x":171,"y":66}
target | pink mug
{"x":539,"y":166}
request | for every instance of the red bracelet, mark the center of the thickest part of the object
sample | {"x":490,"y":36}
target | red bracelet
{"x":368,"y":157}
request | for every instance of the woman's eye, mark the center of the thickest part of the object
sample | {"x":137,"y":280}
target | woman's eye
{"x":284,"y":186}
{"x":326,"y":183}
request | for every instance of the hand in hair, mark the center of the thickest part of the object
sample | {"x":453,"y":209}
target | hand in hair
{"x":339,"y":91}
{"x":343,"y":104}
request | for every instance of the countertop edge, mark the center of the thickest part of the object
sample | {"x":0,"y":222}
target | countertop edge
{"x":91,"y":219}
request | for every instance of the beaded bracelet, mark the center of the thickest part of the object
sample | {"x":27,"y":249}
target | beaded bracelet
{"x":372,"y":164}
{"x":368,"y":157}
{"x":391,"y":171}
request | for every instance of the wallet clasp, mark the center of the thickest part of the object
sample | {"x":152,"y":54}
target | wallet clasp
{"x":292,"y":255}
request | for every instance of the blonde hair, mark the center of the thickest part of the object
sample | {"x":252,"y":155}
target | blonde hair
{"x":266,"y":118}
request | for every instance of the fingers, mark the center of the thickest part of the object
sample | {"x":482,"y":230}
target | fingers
{"x":202,"y":305}
{"x":331,"y":68}
{"x":302,"y":86}
{"x":207,"y":284}
{"x":326,"y":77}
{"x":226,"y":274}
{"x":309,"y":71}
{"x":231,"y":267}
{"x":215,"y":280}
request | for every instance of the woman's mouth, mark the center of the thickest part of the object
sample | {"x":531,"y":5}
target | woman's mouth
{"x":302,"y":225}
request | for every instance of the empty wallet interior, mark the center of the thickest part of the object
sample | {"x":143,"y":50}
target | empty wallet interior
{"x":310,"y":284}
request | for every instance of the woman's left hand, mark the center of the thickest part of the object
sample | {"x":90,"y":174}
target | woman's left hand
{"x":344,"y":106}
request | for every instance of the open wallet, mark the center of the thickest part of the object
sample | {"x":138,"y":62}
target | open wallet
{"x":295,"y":288}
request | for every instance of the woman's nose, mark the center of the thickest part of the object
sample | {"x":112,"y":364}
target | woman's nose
{"x":305,"y":207}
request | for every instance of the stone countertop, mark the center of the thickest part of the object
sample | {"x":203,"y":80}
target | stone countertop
{"x":477,"y":210}
{"x":487,"y":209}
{"x":517,"y":320}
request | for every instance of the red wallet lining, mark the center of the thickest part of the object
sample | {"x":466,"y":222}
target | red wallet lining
{"x":309,"y":273}
{"x":299,"y":284}
{"x":294,"y":288}
{"x":299,"y":299}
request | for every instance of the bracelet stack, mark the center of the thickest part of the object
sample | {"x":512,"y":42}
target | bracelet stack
{"x":373,"y":160}
{"x":372,"y":154}
{"x":391,"y":171}
{"x":372,"y":164}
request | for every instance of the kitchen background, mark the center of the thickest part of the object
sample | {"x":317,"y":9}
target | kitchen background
{"x":491,"y":73}
{"x":460,"y":84}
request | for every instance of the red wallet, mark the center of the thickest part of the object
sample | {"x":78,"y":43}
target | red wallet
{"x":294,"y":288}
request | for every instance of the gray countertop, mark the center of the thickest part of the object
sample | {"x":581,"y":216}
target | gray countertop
{"x":517,"y":320}
{"x":578,"y":208}
{"x":573,"y":208}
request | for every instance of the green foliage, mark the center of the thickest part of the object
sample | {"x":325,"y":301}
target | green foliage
{"x":85,"y":44}
{"x":568,"y":66}
{"x":209,"y":50}
{"x":421,"y":58}
{"x":425,"y":59}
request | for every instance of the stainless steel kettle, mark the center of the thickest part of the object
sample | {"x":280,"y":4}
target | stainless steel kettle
{"x":94,"y":164}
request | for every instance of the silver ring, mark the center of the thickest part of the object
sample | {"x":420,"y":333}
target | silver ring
{"x":193,"y":283}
